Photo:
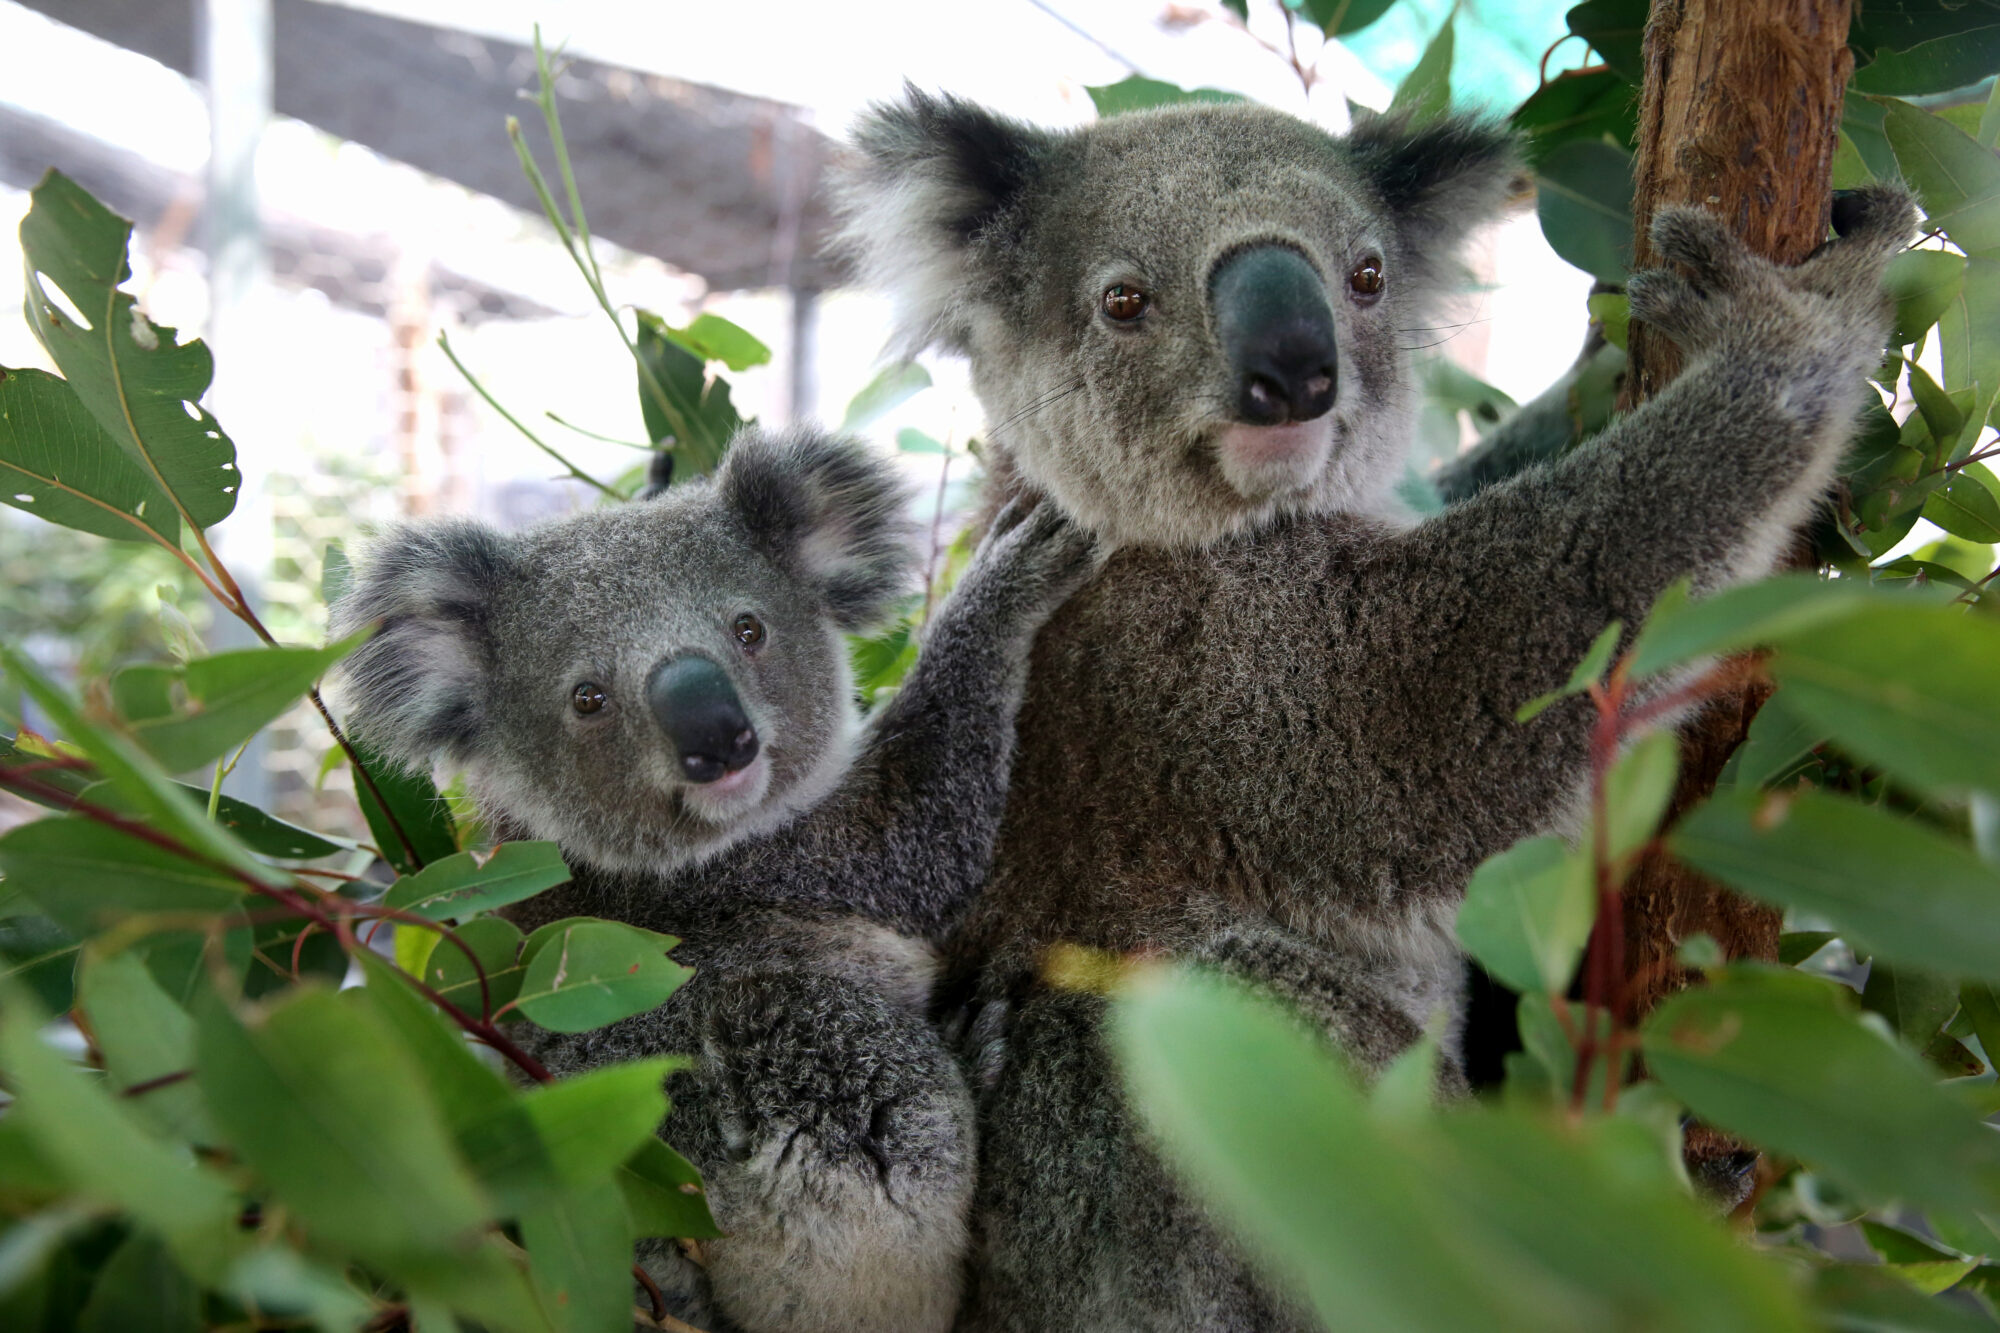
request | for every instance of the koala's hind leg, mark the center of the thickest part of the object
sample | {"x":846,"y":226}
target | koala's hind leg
{"x":835,"y":1138}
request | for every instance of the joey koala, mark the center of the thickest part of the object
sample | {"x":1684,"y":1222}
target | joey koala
{"x":662,"y":688}
{"x":1276,"y":733}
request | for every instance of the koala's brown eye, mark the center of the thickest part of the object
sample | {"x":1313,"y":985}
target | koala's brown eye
{"x":1366,"y":279}
{"x":749,"y":630}
{"x":1125,"y":303}
{"x":586,"y":698}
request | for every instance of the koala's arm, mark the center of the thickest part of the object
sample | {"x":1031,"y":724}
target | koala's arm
{"x":1711,"y":478}
{"x":923,"y":804}
{"x":1544,"y":427}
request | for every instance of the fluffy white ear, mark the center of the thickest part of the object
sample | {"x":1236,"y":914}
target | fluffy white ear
{"x":417,"y":691}
{"x":931,"y":177}
{"x":828,"y":512}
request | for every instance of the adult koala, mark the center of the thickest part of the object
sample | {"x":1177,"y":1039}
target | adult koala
{"x":1276,"y":733}
{"x":662,"y":688}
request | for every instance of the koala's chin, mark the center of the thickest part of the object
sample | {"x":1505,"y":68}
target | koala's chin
{"x":1264,"y":462}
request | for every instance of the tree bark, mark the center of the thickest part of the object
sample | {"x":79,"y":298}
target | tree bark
{"x":1740,"y":114}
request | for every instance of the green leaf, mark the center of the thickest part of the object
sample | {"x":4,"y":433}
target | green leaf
{"x":663,"y":1194}
{"x":910,"y":440}
{"x":1969,"y":335}
{"x":143,"y":1035}
{"x":1341,"y":18}
{"x":57,"y":463}
{"x":1890,"y":886}
{"x":591,"y":1123}
{"x":1914,"y":1003}
{"x":464,"y":1087}
{"x":1637,"y":791}
{"x":592,"y":973}
{"x":232,"y":696}
{"x":1945,"y":417}
{"x":321,"y":1100}
{"x":157,"y":798}
{"x":1796,"y":946}
{"x":98,"y":1143}
{"x":274,"y":946}
{"x":1905,"y":685}
{"x":36,"y":953}
{"x":467,"y":883}
{"x":1778,"y":747}
{"x":1583,"y":194}
{"x":1747,"y":616}
{"x":266,"y":834}
{"x":1614,"y":29}
{"x":1924,"y":283}
{"x":1527,"y":914}
{"x":419,"y":811}
{"x":496,"y":942}
{"x":697,"y":416}
{"x":142,"y":386}
{"x":1957,"y":179}
{"x":1425,"y":92}
{"x":1981,"y":1006}
{"x":1495,"y":1220}
{"x":141,"y":1289}
{"x":582,"y":1254}
{"x":1579,"y":104}
{"x":1936,"y":66}
{"x":1138,"y":93}
{"x":88,"y":877}
{"x":1966,"y":506}
{"x":713,"y":338}
{"x":283,"y":1282}
{"x":1872,"y":1299}
{"x":892,"y":386}
{"x":1898,"y":25}
{"x":1779,"y":1057}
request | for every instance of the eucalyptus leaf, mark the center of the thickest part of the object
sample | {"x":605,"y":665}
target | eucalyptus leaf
{"x":427,"y":832}
{"x":582,"y":1253}
{"x":1957,"y":179}
{"x":1904,"y":684}
{"x":663,"y":1194}
{"x":1137,"y":93}
{"x":88,"y":878}
{"x":1578,"y":104}
{"x":143,"y":1036}
{"x":592,"y":1122}
{"x":323,"y":1102}
{"x":142,"y":1290}
{"x":1342,"y":18}
{"x":1425,"y":92}
{"x":143,"y":387}
{"x":1527,"y":914}
{"x":1914,"y":1003}
{"x":1614,"y":29}
{"x":1936,"y":66}
{"x":58,"y":463}
{"x":713,"y":338}
{"x":231,"y":697}
{"x":696,"y":416}
{"x":1780,"y":1058}
{"x":496,"y":943}
{"x":1890,"y":886}
{"x":103,"y":1146}
{"x":467,"y":883}
{"x":893,"y":385}
{"x":593,"y":973}
{"x":1966,"y":506}
{"x":1583,"y":193}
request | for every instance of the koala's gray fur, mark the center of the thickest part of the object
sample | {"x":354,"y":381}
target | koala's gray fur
{"x":830,"y":1122}
{"x":1276,"y":733}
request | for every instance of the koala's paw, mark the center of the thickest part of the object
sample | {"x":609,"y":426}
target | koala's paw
{"x":1035,"y":558}
{"x":1729,"y":300}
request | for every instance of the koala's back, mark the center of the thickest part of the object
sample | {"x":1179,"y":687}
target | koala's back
{"x":1300,"y":726}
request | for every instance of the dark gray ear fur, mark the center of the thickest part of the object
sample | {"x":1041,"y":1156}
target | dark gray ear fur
{"x":1439,"y":178}
{"x":417,"y":691}
{"x":829,"y":512}
{"x":930,"y":177}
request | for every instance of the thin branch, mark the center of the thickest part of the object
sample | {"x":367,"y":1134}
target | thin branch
{"x":444,"y":344}
{"x":587,"y":433}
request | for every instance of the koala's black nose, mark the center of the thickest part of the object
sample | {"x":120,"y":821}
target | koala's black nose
{"x":1276,"y":328}
{"x":698,"y":709}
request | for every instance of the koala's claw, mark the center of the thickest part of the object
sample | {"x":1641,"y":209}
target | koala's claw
{"x":1728,"y":293}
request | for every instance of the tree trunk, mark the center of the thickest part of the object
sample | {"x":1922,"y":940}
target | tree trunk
{"x":1740,"y":113}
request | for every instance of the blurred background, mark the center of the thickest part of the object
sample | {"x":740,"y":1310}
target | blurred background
{"x":321,"y":189}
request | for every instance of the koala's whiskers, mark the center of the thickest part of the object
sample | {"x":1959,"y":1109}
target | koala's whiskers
{"x":1456,"y":329}
{"x":1047,"y":400}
